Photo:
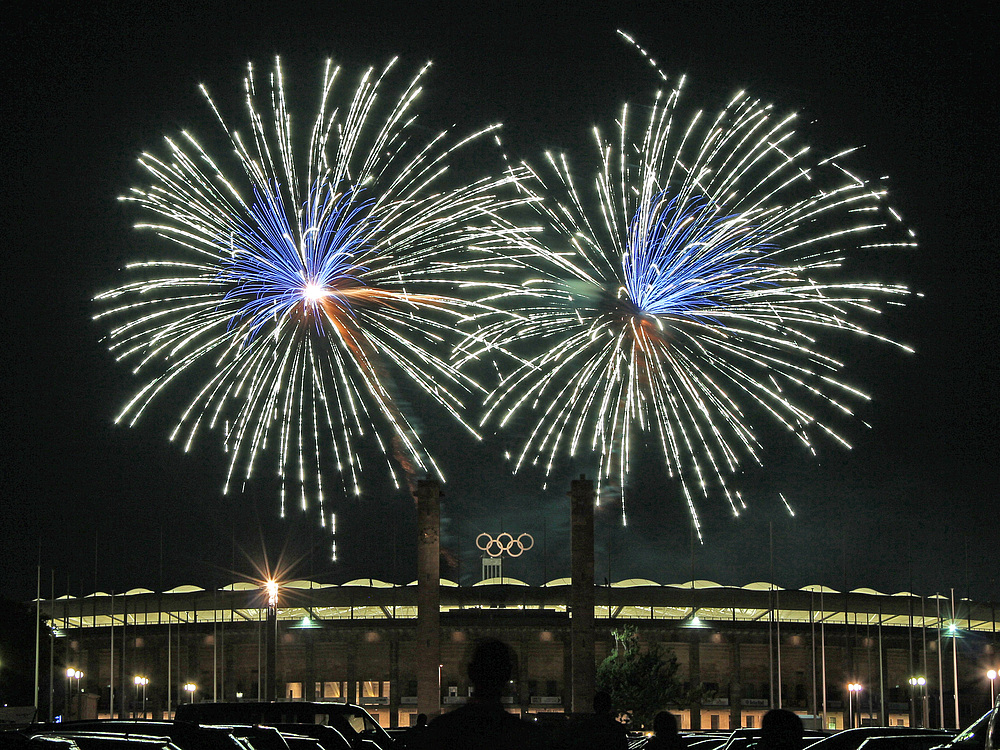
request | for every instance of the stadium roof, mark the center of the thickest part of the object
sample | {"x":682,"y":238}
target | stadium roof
{"x":629,"y":599}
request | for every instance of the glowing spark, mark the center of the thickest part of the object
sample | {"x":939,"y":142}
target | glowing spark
{"x":313,"y":293}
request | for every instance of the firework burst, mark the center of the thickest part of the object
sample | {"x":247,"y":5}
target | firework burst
{"x":303,"y":295}
{"x":688,"y":294}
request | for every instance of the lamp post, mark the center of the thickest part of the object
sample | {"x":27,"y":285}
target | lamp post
{"x":921,"y":683}
{"x":272,"y":588}
{"x":71,"y":674}
{"x":69,"y":680}
{"x":953,"y":632}
{"x":852,"y":688}
{"x":991,"y":675}
{"x":189,"y":688}
{"x":77,"y":675}
{"x":141,"y":682}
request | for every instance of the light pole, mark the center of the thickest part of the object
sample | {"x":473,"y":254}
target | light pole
{"x":991,"y":675}
{"x":71,"y":674}
{"x":920,"y":682}
{"x":953,"y":631}
{"x":189,"y":688}
{"x":77,"y":674}
{"x":69,"y":681}
{"x":141,"y":682}
{"x":852,"y":688}
{"x":271,"y":588}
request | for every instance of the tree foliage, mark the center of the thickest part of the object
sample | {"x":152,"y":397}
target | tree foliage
{"x":640,"y":683}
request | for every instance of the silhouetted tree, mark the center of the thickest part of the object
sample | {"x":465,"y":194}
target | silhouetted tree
{"x":641,"y":683}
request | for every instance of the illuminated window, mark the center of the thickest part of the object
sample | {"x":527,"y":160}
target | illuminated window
{"x":293,"y":691}
{"x":370,"y":689}
{"x":331,"y":690}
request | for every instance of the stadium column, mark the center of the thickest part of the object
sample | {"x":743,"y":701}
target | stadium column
{"x":394,"y":682}
{"x":694,"y":677}
{"x":582,"y":593}
{"x":428,"y":497}
{"x":735,"y":686}
{"x":309,"y":688}
{"x":352,"y":692}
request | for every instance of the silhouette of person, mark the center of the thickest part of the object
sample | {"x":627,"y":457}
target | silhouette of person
{"x":482,"y":723}
{"x":780,"y":730}
{"x":665,"y":734}
{"x":599,"y":730}
{"x":416,"y":736}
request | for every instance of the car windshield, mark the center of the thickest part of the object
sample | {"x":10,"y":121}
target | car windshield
{"x":361,"y":723}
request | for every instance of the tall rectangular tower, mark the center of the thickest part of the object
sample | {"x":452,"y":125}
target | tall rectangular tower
{"x":428,"y":497}
{"x":582,"y":593}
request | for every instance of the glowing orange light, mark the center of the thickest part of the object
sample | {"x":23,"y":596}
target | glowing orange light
{"x":272,"y":593}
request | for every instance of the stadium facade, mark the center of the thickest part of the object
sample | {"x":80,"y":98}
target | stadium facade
{"x":749,"y":648}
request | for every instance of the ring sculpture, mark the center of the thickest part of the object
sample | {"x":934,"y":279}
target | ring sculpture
{"x":496,"y":546}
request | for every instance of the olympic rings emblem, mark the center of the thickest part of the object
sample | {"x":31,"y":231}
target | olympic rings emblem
{"x":494,"y":547}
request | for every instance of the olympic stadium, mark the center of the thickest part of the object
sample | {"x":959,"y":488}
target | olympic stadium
{"x":749,"y":648}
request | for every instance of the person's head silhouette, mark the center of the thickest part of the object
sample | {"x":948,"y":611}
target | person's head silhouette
{"x":780,"y":730}
{"x":665,"y":723}
{"x":602,"y":703}
{"x":491,"y":667}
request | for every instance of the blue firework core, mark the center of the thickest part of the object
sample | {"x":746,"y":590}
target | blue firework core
{"x":275,"y":270}
{"x":682,"y":256}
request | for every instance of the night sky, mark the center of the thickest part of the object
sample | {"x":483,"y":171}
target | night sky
{"x":914,"y":506}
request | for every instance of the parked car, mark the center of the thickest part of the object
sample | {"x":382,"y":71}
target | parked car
{"x":743,"y":739}
{"x":329,"y":738}
{"x":301,"y":742}
{"x":185,"y":735}
{"x":902,"y":742}
{"x":993,"y":733}
{"x":972,"y":737}
{"x":706,"y":741}
{"x":110,"y":741}
{"x":352,"y":721}
{"x":257,"y":737}
{"x":852,"y":739}
{"x":18,"y":740}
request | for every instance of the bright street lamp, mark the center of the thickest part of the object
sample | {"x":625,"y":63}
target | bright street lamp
{"x":271,"y":587}
{"x":852,"y":688}
{"x":141,"y":682}
{"x":189,"y":688}
{"x":921,"y":683}
{"x":71,"y":674}
{"x":992,"y":676}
